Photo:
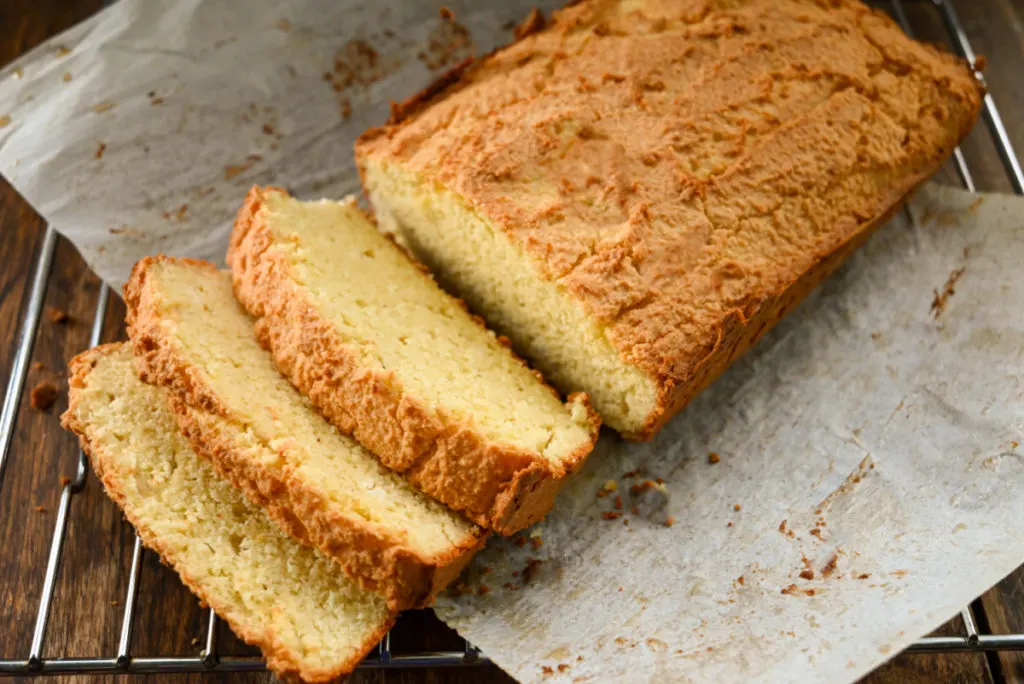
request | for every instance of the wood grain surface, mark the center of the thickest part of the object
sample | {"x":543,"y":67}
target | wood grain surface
{"x":87,"y":608}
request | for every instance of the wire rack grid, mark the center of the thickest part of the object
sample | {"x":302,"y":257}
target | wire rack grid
{"x":209,"y":660}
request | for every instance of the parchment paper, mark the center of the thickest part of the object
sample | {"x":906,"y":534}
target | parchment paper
{"x":139,"y":130}
{"x":880,"y":422}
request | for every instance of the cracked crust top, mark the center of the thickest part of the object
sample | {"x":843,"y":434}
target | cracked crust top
{"x":676,"y":165}
{"x":317,"y":484}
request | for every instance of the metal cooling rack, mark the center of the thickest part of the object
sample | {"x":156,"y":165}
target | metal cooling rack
{"x":209,"y":660}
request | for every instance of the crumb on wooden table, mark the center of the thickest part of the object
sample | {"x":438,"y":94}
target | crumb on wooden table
{"x":40,"y":509}
{"x":65,"y":480}
{"x":43,"y":395}
{"x":58,"y":315}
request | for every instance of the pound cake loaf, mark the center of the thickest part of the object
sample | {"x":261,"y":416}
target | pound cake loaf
{"x":389,"y":357}
{"x":309,"y":620}
{"x":638,"y":192}
{"x":190,"y":335}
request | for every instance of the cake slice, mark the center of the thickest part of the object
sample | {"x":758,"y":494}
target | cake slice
{"x":190,"y":335}
{"x":638,"y":192}
{"x":389,"y":357}
{"x":309,"y":620}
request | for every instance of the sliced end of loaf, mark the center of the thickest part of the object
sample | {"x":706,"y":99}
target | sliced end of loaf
{"x":388,"y":356}
{"x":497,"y":278}
{"x":189,"y":334}
{"x":226,"y":550}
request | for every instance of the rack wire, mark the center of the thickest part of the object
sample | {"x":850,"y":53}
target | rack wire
{"x":209,"y":660}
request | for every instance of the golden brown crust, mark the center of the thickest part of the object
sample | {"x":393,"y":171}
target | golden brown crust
{"x":497,"y":486}
{"x":740,"y":329}
{"x":379,"y":559}
{"x":281,"y":660}
{"x":760,"y":138}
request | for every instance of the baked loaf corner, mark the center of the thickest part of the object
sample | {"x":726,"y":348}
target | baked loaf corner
{"x":191,"y":336}
{"x":638,"y":192}
{"x":392,"y":359}
{"x":224,"y":548}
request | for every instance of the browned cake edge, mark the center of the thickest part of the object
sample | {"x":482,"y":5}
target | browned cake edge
{"x":280,"y":659}
{"x":380,"y":562}
{"x":498,"y":486}
{"x":741,"y":329}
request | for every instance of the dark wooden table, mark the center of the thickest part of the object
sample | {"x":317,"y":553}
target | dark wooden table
{"x":85,"y":619}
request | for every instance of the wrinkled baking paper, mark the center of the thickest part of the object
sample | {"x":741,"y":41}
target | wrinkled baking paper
{"x":868,"y":475}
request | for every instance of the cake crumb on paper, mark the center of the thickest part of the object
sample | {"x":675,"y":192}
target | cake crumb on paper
{"x":533,"y":23}
{"x":948,"y":290}
{"x":714,"y":458}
